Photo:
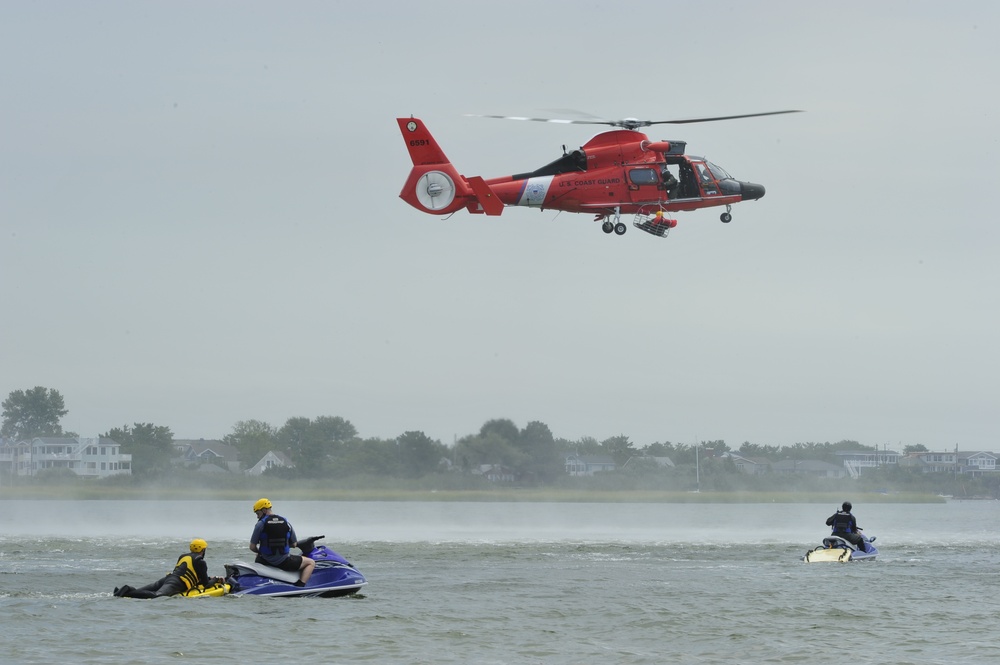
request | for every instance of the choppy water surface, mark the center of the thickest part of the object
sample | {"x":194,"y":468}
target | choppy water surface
{"x":511,"y":583}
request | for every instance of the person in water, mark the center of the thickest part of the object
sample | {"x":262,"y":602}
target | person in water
{"x":271,"y":540}
{"x":190,"y":572}
{"x":846,"y":527}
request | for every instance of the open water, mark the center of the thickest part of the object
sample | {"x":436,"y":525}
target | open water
{"x":505,"y":583}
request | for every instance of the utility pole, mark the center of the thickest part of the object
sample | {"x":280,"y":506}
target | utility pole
{"x":697,"y":468}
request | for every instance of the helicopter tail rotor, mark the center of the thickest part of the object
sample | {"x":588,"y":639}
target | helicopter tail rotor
{"x":435,"y":190}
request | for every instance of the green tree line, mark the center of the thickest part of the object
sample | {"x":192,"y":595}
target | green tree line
{"x":331,"y":447}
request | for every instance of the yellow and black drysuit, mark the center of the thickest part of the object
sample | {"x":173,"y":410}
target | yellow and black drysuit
{"x":190,"y":571}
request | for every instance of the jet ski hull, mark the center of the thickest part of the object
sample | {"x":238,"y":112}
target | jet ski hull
{"x":828,"y":555}
{"x":332,"y":577}
{"x":326,"y":582}
{"x":838,"y":550}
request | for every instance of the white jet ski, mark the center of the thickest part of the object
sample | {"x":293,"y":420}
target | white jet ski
{"x":836,"y":549}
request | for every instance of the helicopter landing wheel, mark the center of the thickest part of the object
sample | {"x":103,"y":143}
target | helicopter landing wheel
{"x":620,"y":228}
{"x":726,"y":217}
{"x":607,"y":226}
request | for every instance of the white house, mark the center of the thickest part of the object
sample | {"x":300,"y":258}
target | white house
{"x":856,"y":461}
{"x":977,"y":464}
{"x":973,"y":464}
{"x":588,"y":465}
{"x":274,"y":459}
{"x":931,"y":462}
{"x":95,"y":457}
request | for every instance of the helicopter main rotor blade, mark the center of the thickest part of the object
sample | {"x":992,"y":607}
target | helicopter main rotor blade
{"x":556,"y":120}
{"x":630,"y":123}
{"x":723,"y":117}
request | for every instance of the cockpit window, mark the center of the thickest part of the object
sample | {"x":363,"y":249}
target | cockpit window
{"x":718,"y":171}
{"x":643,"y":176}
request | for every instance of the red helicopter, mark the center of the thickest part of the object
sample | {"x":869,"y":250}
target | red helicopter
{"x":617,"y":172}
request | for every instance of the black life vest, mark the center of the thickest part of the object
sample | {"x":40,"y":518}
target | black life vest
{"x":274,"y":539}
{"x":843,"y":522}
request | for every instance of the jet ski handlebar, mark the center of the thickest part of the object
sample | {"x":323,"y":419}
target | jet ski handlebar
{"x":309,"y":544}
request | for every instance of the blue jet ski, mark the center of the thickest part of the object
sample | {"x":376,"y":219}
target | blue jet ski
{"x":333,"y":576}
{"x":837,"y":549}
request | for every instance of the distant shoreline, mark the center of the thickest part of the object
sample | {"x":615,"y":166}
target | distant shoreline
{"x":85,"y":493}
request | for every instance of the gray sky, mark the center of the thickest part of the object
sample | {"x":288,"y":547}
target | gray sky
{"x":201,"y":224}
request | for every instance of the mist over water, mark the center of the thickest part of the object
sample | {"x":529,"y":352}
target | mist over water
{"x":475,"y":522}
{"x":553,"y":583}
{"x":347,"y":521}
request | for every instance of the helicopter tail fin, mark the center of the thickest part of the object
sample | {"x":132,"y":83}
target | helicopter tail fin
{"x":434,"y":185}
{"x":424,"y":150}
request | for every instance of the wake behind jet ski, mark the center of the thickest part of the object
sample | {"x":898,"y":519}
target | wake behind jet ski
{"x":333,"y":576}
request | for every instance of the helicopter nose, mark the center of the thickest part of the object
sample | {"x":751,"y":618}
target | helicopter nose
{"x":751,"y":191}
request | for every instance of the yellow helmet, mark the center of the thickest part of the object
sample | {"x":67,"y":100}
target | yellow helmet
{"x":261,"y":505}
{"x":198,"y":545}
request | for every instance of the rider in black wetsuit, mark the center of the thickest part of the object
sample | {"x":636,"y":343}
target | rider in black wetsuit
{"x":189,"y":572}
{"x":846,"y":527}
